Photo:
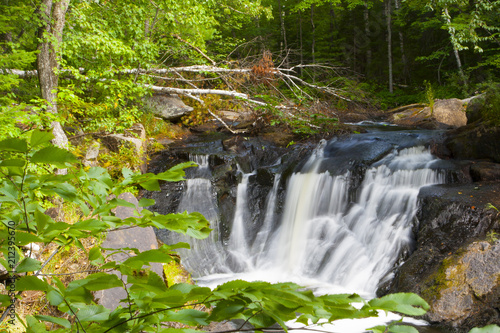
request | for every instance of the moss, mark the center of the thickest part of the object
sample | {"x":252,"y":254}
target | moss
{"x":442,"y":279}
{"x":175,"y":273}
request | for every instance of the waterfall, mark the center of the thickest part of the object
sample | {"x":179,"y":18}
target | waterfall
{"x":205,"y":256}
{"x":332,"y":235}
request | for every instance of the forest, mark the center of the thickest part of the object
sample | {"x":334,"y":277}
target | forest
{"x":75,"y":71}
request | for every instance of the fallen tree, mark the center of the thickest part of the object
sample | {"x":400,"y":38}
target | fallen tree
{"x":185,"y":81}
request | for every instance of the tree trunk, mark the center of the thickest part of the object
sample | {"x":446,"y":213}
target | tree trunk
{"x":406,"y":70}
{"x":52,"y":15}
{"x":366,"y":15}
{"x":333,"y":29}
{"x":455,"y":49}
{"x":313,"y":35}
{"x":313,"y":41}
{"x":301,"y":42}
{"x":389,"y":42}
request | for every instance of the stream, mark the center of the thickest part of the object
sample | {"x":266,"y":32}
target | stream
{"x":340,"y":222}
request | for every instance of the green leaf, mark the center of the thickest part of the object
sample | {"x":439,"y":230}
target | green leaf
{"x":30,"y":283}
{"x":402,"y":329}
{"x":34,"y":326}
{"x":378,"y":329}
{"x":5,"y":300}
{"x":59,"y":321}
{"x":54,"y":297}
{"x":55,"y":156}
{"x":93,"y":313}
{"x":40,"y":137}
{"x":97,"y":281}
{"x":95,"y":256}
{"x":486,"y":329}
{"x":28,"y":265}
{"x":146,"y":202}
{"x":14,"y":144}
{"x":42,"y":220}
{"x":17,"y":162}
{"x":151,"y":185}
{"x":23,"y":238}
{"x":188,"y":317}
{"x":176,"y":173}
{"x":405,"y":303}
{"x":162,"y":255}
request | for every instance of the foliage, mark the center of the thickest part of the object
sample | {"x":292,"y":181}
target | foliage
{"x":150,"y":302}
{"x":490,"y":105}
{"x":126,"y":157}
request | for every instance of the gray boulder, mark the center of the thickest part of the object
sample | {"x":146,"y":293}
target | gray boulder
{"x":134,"y":137}
{"x":168,"y":107}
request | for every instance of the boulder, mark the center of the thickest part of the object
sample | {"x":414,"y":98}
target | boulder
{"x":455,"y":266}
{"x":450,"y":112}
{"x":168,"y":107}
{"x":485,"y":171}
{"x":465,"y":290}
{"x":475,"y":141}
{"x":445,"y":113}
{"x":134,"y":137}
{"x":91,"y":155}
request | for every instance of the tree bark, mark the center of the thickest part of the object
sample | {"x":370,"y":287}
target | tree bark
{"x":406,"y":70}
{"x":366,"y":15}
{"x":301,"y":42}
{"x":455,"y":49}
{"x":389,"y":42}
{"x":313,"y":41}
{"x":52,"y":15}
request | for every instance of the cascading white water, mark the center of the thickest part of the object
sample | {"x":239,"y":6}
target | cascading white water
{"x":204,"y":256}
{"x":324,"y":241}
{"x":352,"y":245}
{"x":336,"y":233}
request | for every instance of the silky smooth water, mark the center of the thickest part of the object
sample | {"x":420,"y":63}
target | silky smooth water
{"x":325,"y":239}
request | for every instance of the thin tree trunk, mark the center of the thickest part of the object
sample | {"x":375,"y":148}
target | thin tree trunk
{"x":313,"y":35}
{"x":301,"y":42}
{"x":283,"y":35}
{"x":455,"y":49}
{"x":389,"y":42}
{"x":366,"y":15}
{"x":52,"y":15}
{"x":406,"y":70}
{"x":313,"y":41}
{"x":332,"y":28}
{"x":281,"y":27}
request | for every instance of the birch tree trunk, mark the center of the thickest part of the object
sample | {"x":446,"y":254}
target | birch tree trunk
{"x":52,"y":15}
{"x":451,"y":31}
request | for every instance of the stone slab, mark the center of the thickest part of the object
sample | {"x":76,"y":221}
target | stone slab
{"x":142,"y":239}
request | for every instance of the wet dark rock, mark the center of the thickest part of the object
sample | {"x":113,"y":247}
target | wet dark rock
{"x":475,"y":142}
{"x":485,"y":171}
{"x":453,"y":218}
